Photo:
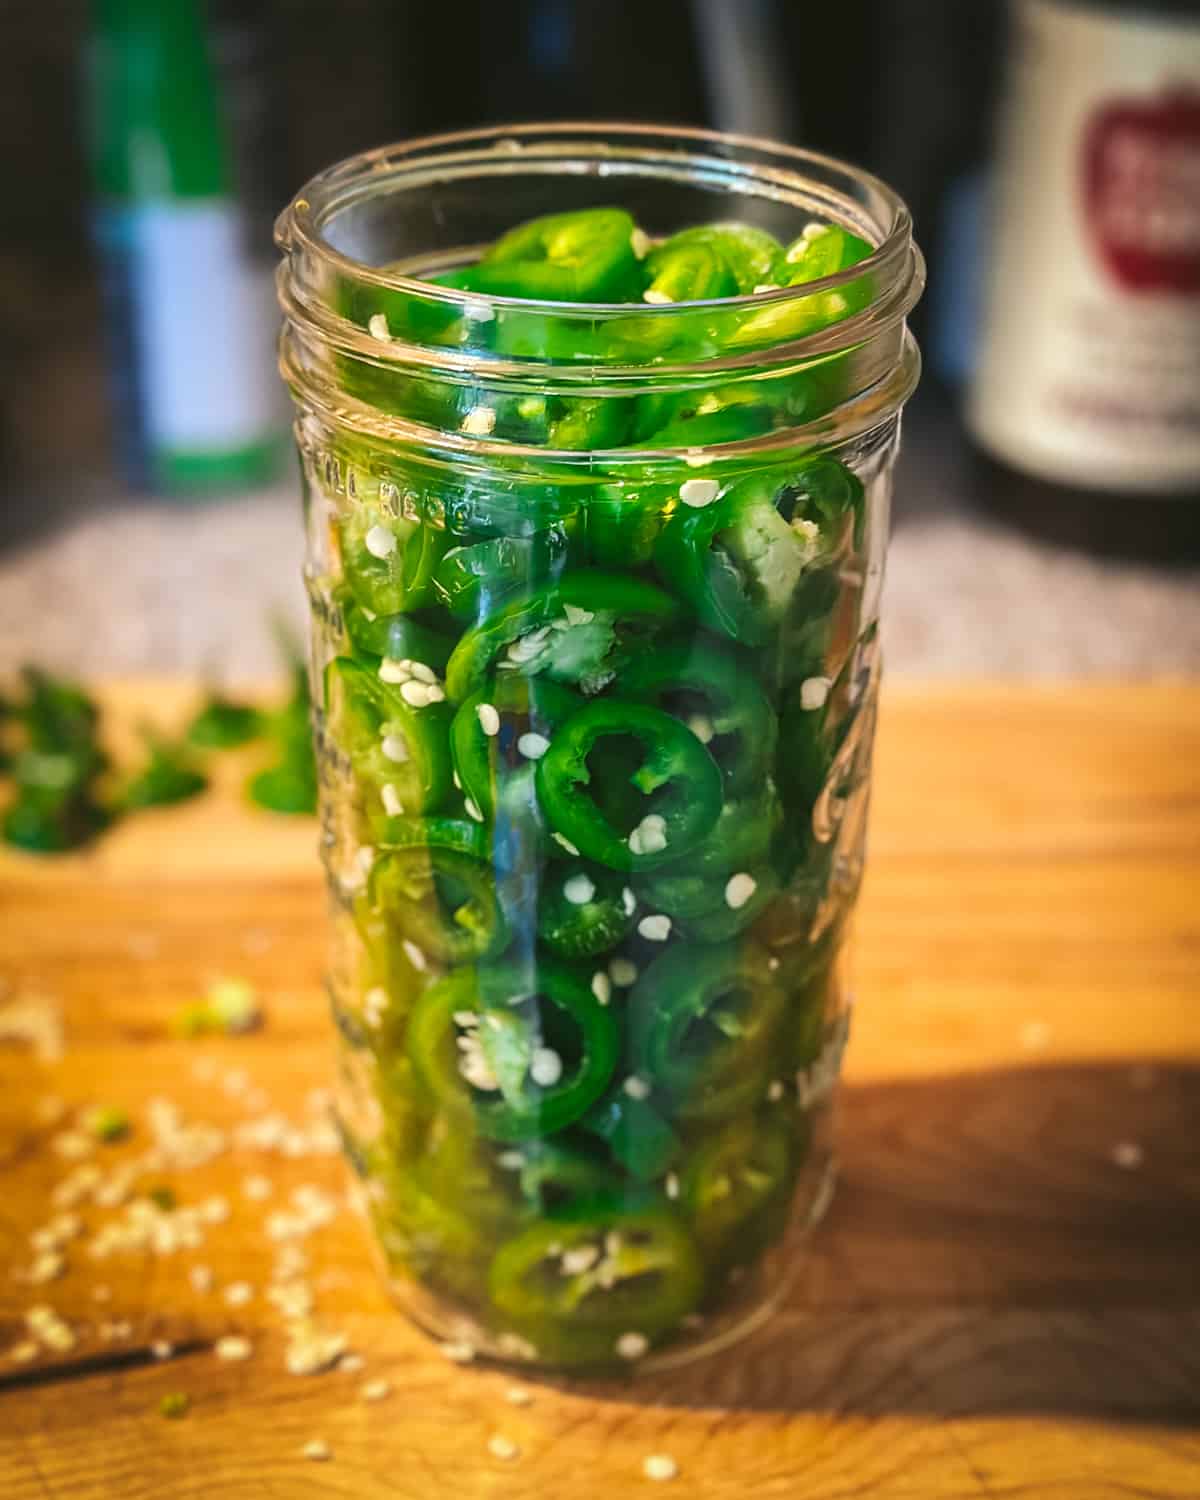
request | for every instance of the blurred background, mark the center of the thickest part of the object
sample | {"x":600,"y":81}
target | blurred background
{"x":1047,"y":518}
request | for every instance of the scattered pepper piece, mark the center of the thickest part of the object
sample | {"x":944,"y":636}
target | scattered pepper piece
{"x":108,"y":1123}
{"x":167,"y":777}
{"x":223,"y":724}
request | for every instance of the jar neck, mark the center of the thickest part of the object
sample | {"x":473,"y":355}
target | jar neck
{"x":364,"y":234}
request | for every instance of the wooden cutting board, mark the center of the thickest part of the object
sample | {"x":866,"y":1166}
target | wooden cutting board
{"x":1004,"y":1300}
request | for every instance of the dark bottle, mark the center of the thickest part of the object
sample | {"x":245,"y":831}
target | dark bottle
{"x":1086,"y":400}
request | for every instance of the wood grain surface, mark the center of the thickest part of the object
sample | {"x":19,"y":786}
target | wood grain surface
{"x":994,"y":1307}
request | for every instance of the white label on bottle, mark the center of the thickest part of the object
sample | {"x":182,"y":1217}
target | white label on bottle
{"x":1090,"y":368}
{"x":206,"y":329}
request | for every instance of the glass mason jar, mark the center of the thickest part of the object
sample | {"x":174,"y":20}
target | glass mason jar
{"x":595,"y":593}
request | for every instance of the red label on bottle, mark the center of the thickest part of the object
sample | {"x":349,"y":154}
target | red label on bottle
{"x":1141,"y":181}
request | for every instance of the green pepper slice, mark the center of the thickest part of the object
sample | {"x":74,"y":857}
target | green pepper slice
{"x":499,"y":731}
{"x":678,"y":781}
{"x":474,"y":580}
{"x":583,"y":909}
{"x":702,"y":1026}
{"x":716,"y":696}
{"x":441,"y":899}
{"x":554,"y":1175}
{"x":389,"y":561}
{"x":389,"y":742}
{"x":751,"y":256}
{"x":736,"y":560}
{"x":422,"y":1222}
{"x":580,"y":631}
{"x":638,"y":1137}
{"x":623,"y":523}
{"x":584,"y":256}
{"x":823,"y":250}
{"x":708,"y":909}
{"x":736,"y":1190}
{"x":582,"y":423}
{"x":482,"y":1042}
{"x":643,"y":1279}
{"x":398,"y":637}
{"x":684,"y":273}
{"x":824,"y":494}
{"x":688,"y":271}
{"x":690,"y":427}
{"x":466,"y":836}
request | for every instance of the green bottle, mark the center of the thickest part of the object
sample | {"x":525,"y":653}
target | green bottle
{"x":191,"y":315}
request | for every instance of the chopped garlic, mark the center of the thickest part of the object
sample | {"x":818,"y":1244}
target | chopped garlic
{"x":699,"y":492}
{"x":579,"y":890}
{"x":380,"y":542}
{"x":738,"y":890}
{"x":395,"y":748}
{"x":480,"y":421}
{"x":533,"y":746}
{"x":233,"y":1347}
{"x":545,"y":1067}
{"x":660,"y":1466}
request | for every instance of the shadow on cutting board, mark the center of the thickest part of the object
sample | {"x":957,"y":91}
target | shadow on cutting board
{"x":985,"y":1253}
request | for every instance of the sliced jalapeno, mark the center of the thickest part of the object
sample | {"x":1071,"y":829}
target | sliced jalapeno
{"x":735,"y":1191}
{"x":716,"y":696}
{"x":390,"y":743}
{"x":389,"y":561}
{"x":736,"y":560}
{"x":708,"y":908}
{"x":751,"y":256}
{"x":553,"y":1175}
{"x":823,"y":250}
{"x":586,"y":256}
{"x":473,"y":580}
{"x":580,"y":631}
{"x":440,"y":899}
{"x":397,"y":637}
{"x":500,"y":730}
{"x":639,"y":1138}
{"x":702,"y":1026}
{"x":583,"y":909}
{"x":677,"y":779}
{"x":643,"y":1278}
{"x":524,"y":1055}
{"x":624,"y":522}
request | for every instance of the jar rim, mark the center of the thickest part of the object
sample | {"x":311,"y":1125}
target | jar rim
{"x":748,"y":160}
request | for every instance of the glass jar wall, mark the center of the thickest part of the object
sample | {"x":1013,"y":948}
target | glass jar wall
{"x":595,"y":590}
